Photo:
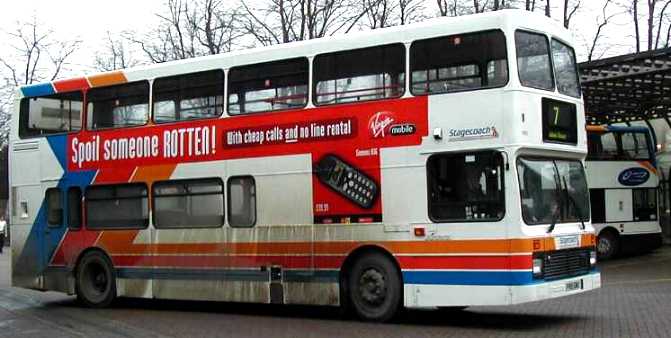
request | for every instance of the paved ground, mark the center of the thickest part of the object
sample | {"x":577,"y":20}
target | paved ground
{"x":635,"y":301}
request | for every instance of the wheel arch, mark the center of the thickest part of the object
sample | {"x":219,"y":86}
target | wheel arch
{"x":356,"y":254}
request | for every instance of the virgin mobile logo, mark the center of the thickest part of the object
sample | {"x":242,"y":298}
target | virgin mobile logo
{"x":633,"y":176}
{"x":379,"y":123}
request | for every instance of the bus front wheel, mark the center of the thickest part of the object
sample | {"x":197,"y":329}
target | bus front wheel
{"x":95,"y":280}
{"x":375,"y":288}
{"x":608,"y":245}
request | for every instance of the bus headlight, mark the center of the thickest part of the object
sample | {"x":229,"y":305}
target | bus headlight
{"x":537,"y":267}
{"x":592,"y":258}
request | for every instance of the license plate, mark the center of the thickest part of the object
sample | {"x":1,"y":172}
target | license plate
{"x":575,"y":285}
{"x":567,"y":242}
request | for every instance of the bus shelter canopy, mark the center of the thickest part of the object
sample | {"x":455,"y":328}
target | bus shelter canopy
{"x":627,"y":88}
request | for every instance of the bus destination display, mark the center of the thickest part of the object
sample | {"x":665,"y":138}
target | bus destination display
{"x":559,"y":122}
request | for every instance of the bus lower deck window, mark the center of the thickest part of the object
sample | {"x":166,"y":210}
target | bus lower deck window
{"x":192,"y":203}
{"x":118,"y":206}
{"x":465,"y":187}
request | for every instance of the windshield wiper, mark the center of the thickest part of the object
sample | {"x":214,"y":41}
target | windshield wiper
{"x":557,"y":212}
{"x":574,"y":203}
{"x":555,"y":217}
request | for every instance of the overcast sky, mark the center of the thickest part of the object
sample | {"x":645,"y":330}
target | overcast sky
{"x":90,"y":20}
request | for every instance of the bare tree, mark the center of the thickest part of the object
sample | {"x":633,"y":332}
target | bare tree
{"x":33,"y":54}
{"x":115,"y":55}
{"x":410,"y":11}
{"x":188,"y":29}
{"x":660,"y":21}
{"x":451,"y":7}
{"x":601,"y":21}
{"x":281,"y":21}
{"x":570,"y":8}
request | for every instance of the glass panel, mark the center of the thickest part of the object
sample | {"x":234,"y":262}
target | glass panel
{"x":360,"y":75}
{"x":117,"y":206}
{"x":189,"y":204}
{"x":51,"y":114}
{"x":533,"y":60}
{"x":241,"y":201}
{"x":54,"y":207}
{"x":466,"y":187}
{"x":466,"y":62}
{"x":552,"y":191}
{"x":645,"y":204}
{"x":566,"y":70}
{"x":124,"y":105}
{"x":74,"y":207}
{"x":190,"y":96}
{"x":602,"y":146}
{"x":635,"y":146}
{"x":277,"y":85}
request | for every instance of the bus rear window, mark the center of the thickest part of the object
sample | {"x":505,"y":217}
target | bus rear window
{"x":53,"y":114}
{"x":189,"y":96}
{"x":533,"y":60}
{"x":360,"y":75}
{"x":269,"y":86}
{"x":125,"y":105}
{"x":465,"y":62}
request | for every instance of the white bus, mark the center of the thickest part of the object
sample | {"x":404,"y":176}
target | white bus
{"x":623,"y":185}
{"x":430,"y":165}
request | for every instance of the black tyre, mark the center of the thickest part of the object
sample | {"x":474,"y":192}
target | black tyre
{"x":95,"y":280}
{"x":375,"y":288}
{"x":608,"y":245}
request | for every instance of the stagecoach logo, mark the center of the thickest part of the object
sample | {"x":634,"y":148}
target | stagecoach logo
{"x":467,"y":134}
{"x":381,"y":124}
{"x":633,"y":176}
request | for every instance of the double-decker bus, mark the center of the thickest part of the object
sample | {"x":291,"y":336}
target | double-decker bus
{"x":623,"y":185}
{"x":430,"y":165}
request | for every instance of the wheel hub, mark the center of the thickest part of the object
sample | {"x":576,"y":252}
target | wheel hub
{"x":372,"y":287}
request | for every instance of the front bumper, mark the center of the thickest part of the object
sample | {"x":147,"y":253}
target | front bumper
{"x":427,"y":295}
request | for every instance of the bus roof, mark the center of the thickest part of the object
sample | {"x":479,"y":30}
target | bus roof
{"x":435,"y":27}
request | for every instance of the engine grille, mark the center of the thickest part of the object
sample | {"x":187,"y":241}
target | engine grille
{"x":565,"y":263}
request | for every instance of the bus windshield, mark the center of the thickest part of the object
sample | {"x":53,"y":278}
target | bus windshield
{"x":537,"y":63}
{"x":553,"y":191}
{"x":619,"y":146}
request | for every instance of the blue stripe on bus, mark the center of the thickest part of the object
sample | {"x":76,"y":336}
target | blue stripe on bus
{"x":468,"y":277}
{"x":38,"y":90}
{"x":41,"y":245}
{"x":302,"y":276}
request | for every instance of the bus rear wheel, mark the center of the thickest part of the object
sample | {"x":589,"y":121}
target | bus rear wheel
{"x":608,"y":245}
{"x":375,"y":288}
{"x":95,"y":280}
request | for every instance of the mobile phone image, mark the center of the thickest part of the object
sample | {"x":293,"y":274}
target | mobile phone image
{"x":347,"y":180}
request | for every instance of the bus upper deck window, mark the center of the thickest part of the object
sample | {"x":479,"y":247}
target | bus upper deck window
{"x":52,"y":114}
{"x":189,"y":96}
{"x":124,"y":105}
{"x":359,"y":75}
{"x":466,"y":62}
{"x":566,"y":70}
{"x":269,"y":86}
{"x":533,"y":60}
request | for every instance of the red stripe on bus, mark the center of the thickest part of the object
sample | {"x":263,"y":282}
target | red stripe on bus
{"x":70,"y":85}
